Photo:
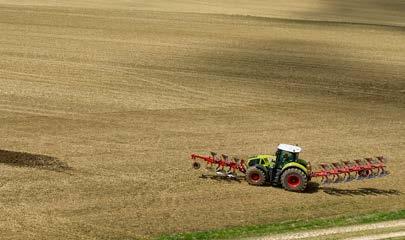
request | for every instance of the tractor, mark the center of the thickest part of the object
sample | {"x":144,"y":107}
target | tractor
{"x":285,"y":168}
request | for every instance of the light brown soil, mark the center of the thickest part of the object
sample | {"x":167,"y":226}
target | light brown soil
{"x":120,"y":95}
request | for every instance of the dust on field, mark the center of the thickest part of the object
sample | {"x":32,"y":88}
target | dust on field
{"x":122,"y":96}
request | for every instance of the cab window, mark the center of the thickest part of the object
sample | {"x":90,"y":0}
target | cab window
{"x":287,"y":156}
{"x":254,"y":162}
{"x":264,"y":161}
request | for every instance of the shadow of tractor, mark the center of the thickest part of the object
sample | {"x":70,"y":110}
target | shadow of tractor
{"x":360,"y":191}
{"x":23,"y":159}
{"x":314,"y":187}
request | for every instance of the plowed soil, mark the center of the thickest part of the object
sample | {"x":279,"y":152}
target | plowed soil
{"x":119,"y":93}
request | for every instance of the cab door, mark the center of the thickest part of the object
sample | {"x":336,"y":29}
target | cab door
{"x":283,"y":157}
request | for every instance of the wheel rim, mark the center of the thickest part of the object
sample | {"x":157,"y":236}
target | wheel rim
{"x":255,"y":177}
{"x":293,"y":181}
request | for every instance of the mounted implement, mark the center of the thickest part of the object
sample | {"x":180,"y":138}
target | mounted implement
{"x":285,"y":168}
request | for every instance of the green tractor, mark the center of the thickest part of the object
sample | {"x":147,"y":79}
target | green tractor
{"x":285,"y":168}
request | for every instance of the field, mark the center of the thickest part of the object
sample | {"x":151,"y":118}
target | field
{"x":101,"y":103}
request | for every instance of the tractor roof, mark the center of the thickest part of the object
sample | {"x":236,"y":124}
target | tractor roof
{"x":289,"y":148}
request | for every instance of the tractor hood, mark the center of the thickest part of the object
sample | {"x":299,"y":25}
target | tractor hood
{"x":270,"y":157}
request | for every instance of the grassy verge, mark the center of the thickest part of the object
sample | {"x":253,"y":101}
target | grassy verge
{"x":297,"y":225}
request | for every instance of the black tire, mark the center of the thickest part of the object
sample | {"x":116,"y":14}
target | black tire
{"x":196,"y":165}
{"x":294,"y":179}
{"x":255,"y":176}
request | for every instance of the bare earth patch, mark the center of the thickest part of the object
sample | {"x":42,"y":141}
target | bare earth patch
{"x":23,"y":159}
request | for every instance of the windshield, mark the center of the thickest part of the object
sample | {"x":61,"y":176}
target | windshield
{"x":287,"y":156}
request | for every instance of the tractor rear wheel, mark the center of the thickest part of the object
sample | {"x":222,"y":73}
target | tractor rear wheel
{"x":255,"y":176}
{"x":294,"y":179}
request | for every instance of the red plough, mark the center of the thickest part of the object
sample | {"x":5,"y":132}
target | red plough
{"x":223,"y":166}
{"x":347,"y":171}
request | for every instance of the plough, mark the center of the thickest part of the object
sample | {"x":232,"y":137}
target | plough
{"x":286,"y":169}
{"x":347,"y":171}
{"x":234,"y":165}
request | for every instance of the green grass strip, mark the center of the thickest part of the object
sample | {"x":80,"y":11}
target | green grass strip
{"x":288,"y":226}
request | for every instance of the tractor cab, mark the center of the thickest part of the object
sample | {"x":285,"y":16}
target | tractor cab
{"x":286,"y":153}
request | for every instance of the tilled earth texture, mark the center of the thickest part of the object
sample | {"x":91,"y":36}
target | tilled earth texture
{"x":101,"y":103}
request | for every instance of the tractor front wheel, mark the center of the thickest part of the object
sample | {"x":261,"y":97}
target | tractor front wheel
{"x":255,"y":176}
{"x":294,"y":179}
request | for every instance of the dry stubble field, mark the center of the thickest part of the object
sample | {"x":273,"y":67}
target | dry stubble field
{"x":118,"y":95}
